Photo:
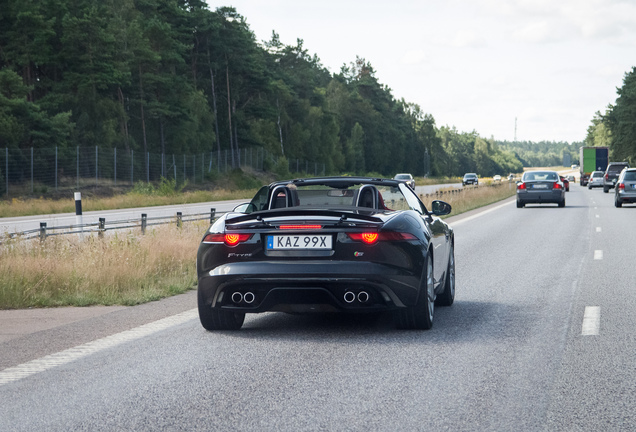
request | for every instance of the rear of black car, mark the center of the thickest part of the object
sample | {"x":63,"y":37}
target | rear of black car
{"x":612,"y":172}
{"x":309,"y":263}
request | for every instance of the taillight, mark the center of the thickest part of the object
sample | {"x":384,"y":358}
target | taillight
{"x":229,"y":239}
{"x":621,"y":186}
{"x":557,"y":185}
{"x":521,"y":186}
{"x":606,"y":176}
{"x":373,"y":237}
{"x":299,"y":227}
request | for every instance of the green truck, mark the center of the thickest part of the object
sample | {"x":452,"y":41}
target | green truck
{"x":592,"y":159}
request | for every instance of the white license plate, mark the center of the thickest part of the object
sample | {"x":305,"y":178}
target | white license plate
{"x":540,"y":186}
{"x":292,"y":242}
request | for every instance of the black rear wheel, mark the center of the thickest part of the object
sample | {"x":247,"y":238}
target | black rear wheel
{"x":618,"y":202}
{"x":420,"y":316}
{"x":447,"y":297}
{"x":218,"y":319}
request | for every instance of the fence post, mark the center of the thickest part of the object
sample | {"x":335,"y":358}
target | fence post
{"x":56,"y":168}
{"x":102,"y":227}
{"x":6,"y":152}
{"x":179,"y":219}
{"x":42,"y":231}
{"x":144,"y":221}
{"x":31,"y":169}
{"x":212,"y":214}
{"x":115,"y":158}
{"x":78,"y":212}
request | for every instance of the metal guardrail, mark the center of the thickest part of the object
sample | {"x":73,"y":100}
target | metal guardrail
{"x":101,"y":226}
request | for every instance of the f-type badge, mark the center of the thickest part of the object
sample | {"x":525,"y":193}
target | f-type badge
{"x":358,"y":254}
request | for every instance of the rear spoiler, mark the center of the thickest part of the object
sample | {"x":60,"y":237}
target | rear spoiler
{"x":260,"y":216}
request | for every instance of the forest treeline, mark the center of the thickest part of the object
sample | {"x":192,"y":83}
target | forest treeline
{"x":174,"y":77}
{"x":616,"y":127}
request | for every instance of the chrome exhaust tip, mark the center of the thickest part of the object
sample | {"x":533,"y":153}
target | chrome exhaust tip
{"x":363,"y":297}
{"x":237,"y":297}
{"x":249,"y":297}
{"x":349,"y":297}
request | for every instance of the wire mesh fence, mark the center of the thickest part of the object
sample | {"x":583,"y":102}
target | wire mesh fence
{"x":39,"y":170}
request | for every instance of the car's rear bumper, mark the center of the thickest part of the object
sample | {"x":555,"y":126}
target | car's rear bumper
{"x":308,"y":286}
{"x":627,"y":197}
{"x":541,"y":197}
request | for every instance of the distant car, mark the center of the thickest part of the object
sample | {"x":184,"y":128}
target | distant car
{"x":496,"y":178}
{"x":575,"y":166}
{"x":540,"y":187}
{"x":625,"y":191}
{"x":470,"y":178}
{"x":566,"y":183}
{"x":333,"y":244}
{"x":406,"y":178}
{"x":511,"y":177}
{"x":596,"y":179}
{"x":572,"y":179}
{"x":611,"y":174}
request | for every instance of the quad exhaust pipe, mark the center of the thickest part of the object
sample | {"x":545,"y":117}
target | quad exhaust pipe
{"x":238,"y":297}
{"x":350,"y":297}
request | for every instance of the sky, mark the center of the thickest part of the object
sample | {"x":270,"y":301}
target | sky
{"x":534,"y":70}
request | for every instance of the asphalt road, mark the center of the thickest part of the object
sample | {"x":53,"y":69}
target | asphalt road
{"x":540,"y":338}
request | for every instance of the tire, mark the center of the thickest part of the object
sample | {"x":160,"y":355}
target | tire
{"x":218,"y":319}
{"x":605,"y":189}
{"x":562,"y":203}
{"x":589,"y":186}
{"x":520,"y":204}
{"x":447,"y":297}
{"x":420,"y":316}
{"x":618,"y":203}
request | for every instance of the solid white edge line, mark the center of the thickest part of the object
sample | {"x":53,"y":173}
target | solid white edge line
{"x":480,"y":214}
{"x":598,"y":254}
{"x":591,"y":321}
{"x":63,"y":357}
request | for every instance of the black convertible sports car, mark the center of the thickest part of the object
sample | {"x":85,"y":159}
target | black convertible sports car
{"x":347,"y":244}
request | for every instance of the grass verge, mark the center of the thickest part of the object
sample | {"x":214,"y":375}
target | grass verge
{"x":122,"y":269}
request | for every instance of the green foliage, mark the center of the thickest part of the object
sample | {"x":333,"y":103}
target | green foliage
{"x":620,"y":122}
{"x":166,"y":188}
{"x":170,"y":77}
{"x":241,"y":180}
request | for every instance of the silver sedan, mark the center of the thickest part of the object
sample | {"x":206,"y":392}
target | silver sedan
{"x":539,"y":187}
{"x":625,"y":191}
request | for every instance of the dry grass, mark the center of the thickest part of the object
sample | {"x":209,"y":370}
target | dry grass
{"x":470,"y":198}
{"x":122,"y":269}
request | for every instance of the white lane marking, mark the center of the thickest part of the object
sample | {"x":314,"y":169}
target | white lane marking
{"x":63,"y":357}
{"x":597,"y":216}
{"x":598,"y":229}
{"x":598,"y":254}
{"x":480,"y":214}
{"x":591,"y":321}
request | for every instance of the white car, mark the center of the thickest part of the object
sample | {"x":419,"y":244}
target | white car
{"x":596,"y":179}
{"x":496,"y":178}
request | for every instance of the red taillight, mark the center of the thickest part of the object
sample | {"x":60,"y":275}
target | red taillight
{"x":621,"y":186}
{"x":299,"y":227}
{"x":606,"y":176}
{"x":557,"y":185}
{"x":228,"y":239}
{"x":521,"y":186}
{"x":373,"y":237}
